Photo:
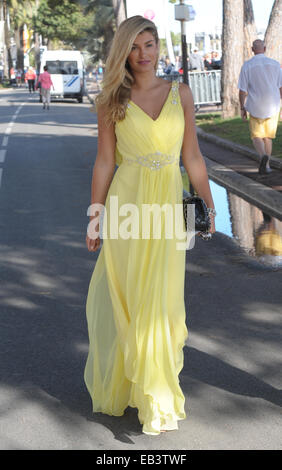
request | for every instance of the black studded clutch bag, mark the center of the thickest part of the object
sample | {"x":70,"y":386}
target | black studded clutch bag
{"x":202,"y":219}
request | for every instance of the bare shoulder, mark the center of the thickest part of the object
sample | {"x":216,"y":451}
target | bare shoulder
{"x":163,"y":81}
{"x":165,"y":84}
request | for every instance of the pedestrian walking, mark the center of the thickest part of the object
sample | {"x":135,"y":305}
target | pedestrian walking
{"x":196,"y":63}
{"x":45,"y":82}
{"x":30,"y":78}
{"x":135,"y":304}
{"x":260,"y":91}
{"x":19,"y":74}
{"x":12,"y":76}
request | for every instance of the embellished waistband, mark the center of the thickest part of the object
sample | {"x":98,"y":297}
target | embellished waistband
{"x":153,"y":161}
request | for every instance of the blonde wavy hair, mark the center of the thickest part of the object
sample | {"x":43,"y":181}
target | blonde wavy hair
{"x":118,"y":79}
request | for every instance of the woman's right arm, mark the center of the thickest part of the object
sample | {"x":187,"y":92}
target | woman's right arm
{"x":103,"y":172}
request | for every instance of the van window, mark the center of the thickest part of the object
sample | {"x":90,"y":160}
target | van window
{"x":62,"y":67}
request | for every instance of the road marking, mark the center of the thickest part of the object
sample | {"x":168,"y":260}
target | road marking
{"x":2,"y":155}
{"x":5,"y":141}
{"x":10,"y":125}
{"x":8,"y":130}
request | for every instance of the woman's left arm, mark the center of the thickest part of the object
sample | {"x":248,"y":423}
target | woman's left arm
{"x":192,"y":158}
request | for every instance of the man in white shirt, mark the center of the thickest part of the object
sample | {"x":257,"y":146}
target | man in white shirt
{"x":260,"y":91}
{"x":196,"y":62}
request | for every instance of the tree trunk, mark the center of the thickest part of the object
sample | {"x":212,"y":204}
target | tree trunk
{"x":119,"y":10}
{"x":8,"y":63}
{"x":232,"y":55}
{"x":37,"y":44}
{"x":250,"y":30}
{"x":108,"y":37}
{"x":37,"y":51}
{"x":273,"y":35}
{"x":19,"y":44}
{"x":3,"y":38}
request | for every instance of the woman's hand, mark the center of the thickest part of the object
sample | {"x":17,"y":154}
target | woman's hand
{"x":93,"y":244}
{"x":93,"y":240}
{"x":205,"y":235}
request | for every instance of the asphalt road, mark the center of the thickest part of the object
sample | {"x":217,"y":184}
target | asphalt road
{"x":232,"y":372}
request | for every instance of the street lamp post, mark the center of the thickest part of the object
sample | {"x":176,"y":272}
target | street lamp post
{"x":184,"y":54}
{"x":184,"y":13}
{"x":181,"y":12}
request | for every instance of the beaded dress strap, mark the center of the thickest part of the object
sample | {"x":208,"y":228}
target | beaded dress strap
{"x":174,"y":91}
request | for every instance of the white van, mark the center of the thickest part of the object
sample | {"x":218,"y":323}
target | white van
{"x":67,"y":73}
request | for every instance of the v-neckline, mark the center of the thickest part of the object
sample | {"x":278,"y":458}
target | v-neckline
{"x":163,"y":106}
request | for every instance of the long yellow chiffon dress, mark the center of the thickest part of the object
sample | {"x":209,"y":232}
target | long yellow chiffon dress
{"x":135,"y":306}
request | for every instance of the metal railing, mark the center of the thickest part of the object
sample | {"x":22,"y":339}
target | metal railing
{"x":205,"y":86}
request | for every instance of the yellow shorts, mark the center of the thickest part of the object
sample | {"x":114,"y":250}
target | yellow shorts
{"x":264,"y":127}
{"x":269,"y":242}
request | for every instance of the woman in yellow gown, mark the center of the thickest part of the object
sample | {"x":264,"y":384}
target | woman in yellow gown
{"x":135,"y":305}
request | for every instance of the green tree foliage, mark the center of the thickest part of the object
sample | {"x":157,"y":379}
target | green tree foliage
{"x":62,"y":20}
{"x":102,"y":28}
{"x":175,"y":38}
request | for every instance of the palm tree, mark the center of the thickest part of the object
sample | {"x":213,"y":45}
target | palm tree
{"x":273,"y":35}
{"x":119,"y":11}
{"x":102,"y":30}
{"x":232,"y":55}
{"x":20,"y":14}
{"x":239,"y":31}
{"x":7,"y":58}
{"x":16,"y":13}
{"x":250,"y":30}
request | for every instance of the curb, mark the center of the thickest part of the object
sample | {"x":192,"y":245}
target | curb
{"x":267,"y":199}
{"x":274,"y":161}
